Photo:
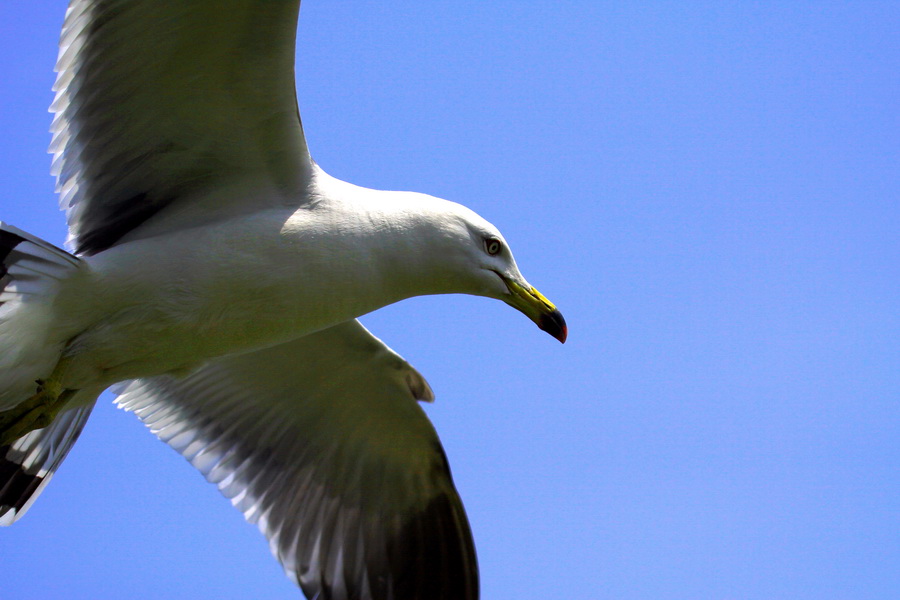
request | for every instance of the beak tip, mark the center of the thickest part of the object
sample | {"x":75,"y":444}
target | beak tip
{"x":554,"y":324}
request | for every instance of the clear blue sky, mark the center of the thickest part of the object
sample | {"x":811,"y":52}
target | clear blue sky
{"x":711,"y":194}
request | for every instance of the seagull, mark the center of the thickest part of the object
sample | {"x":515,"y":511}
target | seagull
{"x":214,"y":281}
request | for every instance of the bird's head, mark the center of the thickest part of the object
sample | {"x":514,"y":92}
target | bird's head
{"x":479,"y":261}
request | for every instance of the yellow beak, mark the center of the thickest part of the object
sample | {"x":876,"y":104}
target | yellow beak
{"x":537,"y":308}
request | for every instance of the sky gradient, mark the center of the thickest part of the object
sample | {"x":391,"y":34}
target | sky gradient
{"x":708,"y":192}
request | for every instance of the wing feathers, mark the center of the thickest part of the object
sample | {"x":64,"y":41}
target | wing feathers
{"x":159,"y":103}
{"x":321,"y":442}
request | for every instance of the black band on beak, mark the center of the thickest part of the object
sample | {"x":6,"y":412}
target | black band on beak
{"x":554,"y":324}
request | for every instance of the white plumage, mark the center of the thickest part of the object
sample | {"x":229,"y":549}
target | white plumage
{"x":218,"y":278}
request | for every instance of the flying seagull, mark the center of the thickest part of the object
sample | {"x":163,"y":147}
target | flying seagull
{"x":214,"y":282}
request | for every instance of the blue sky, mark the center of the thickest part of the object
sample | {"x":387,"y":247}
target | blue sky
{"x":708,"y":191}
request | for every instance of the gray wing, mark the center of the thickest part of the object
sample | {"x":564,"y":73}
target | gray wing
{"x":164,"y":102}
{"x":321,"y":442}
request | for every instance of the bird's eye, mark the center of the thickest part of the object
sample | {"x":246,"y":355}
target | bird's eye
{"x":493,"y":246}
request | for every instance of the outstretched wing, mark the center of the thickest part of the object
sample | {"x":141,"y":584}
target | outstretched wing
{"x":322,"y":443}
{"x":163,"y":102}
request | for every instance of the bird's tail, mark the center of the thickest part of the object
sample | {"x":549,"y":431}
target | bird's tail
{"x":31,"y":271}
{"x":27,"y":464}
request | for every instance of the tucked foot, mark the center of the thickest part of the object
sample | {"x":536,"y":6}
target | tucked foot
{"x":36,"y":412}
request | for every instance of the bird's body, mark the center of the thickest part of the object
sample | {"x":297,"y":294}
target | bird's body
{"x":217,"y":276}
{"x":242,"y":283}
